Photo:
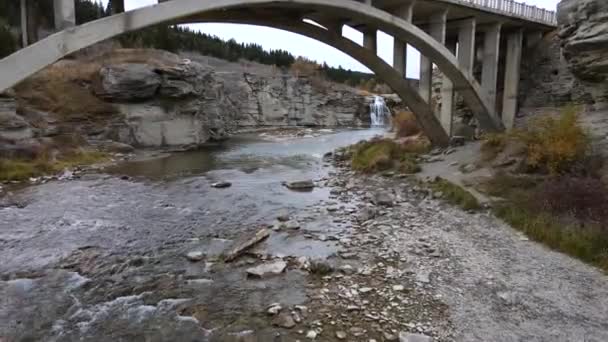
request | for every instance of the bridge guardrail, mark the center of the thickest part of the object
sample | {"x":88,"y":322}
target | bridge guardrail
{"x":514,"y":8}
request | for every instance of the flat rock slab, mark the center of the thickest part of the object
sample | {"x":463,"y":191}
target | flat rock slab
{"x":242,"y":246}
{"x":300,"y":185}
{"x":267,"y":269}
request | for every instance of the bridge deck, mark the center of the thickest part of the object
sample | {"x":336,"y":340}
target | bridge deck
{"x":511,"y":8}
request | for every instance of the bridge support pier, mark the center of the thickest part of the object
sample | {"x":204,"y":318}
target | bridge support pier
{"x":466,"y":45}
{"x":512,"y":71}
{"x":23,"y":8}
{"x":436,"y":29}
{"x":65,"y":14}
{"x":118,"y":6}
{"x":489,"y":71}
{"x":447,"y":96}
{"x":404,"y":12}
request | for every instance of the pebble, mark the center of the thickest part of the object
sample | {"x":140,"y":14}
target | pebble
{"x":341,"y":335}
{"x":284,"y":320}
{"x":311,"y":334}
{"x":398,"y":288}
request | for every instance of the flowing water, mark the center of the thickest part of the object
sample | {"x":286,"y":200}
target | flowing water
{"x":101,"y":258}
{"x":379,"y":113}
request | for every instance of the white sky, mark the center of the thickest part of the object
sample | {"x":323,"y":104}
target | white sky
{"x":302,"y":46}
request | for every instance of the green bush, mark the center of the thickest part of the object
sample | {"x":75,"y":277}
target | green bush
{"x":455,"y":194}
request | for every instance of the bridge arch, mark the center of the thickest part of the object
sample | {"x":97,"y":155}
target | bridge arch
{"x":30,"y":60}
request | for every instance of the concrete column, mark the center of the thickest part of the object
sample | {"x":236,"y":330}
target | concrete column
{"x":118,"y":6}
{"x":369,"y":39}
{"x":466,"y":44}
{"x":512,"y":74}
{"x":65,"y":14}
{"x":404,"y":12}
{"x":24,"y":41}
{"x":436,"y":28}
{"x":447,"y":97}
{"x":489,"y":71}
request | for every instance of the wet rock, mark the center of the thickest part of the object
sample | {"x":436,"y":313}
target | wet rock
{"x":347,"y":269}
{"x":221,"y":185}
{"x":300,"y":185}
{"x":341,"y":335}
{"x":291,"y":224}
{"x":390,"y":337}
{"x":409,"y":337}
{"x":195,"y":256}
{"x":311,"y":334}
{"x":284,"y":320}
{"x":267,"y":269}
{"x":383,"y":199}
{"x":274,"y":309}
{"x":241,"y":246}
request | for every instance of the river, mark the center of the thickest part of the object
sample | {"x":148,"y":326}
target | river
{"x":102,"y":258}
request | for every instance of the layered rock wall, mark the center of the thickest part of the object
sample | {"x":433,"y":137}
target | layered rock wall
{"x":583,"y":30}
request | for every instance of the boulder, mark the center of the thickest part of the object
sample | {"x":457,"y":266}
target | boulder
{"x":300,"y":185}
{"x":127,"y":82}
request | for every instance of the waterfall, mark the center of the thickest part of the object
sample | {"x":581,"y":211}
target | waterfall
{"x":379,"y":112}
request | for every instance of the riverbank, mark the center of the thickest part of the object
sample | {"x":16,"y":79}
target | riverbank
{"x":356,"y":257}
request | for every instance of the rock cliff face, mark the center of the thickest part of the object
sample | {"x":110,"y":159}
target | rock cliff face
{"x":169,"y":101}
{"x":182,"y":105}
{"x":583,"y":29}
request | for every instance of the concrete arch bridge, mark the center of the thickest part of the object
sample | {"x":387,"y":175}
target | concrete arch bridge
{"x":455,"y":35}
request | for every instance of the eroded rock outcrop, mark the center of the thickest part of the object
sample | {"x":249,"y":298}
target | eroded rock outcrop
{"x":181,"y":105}
{"x":583,"y":29}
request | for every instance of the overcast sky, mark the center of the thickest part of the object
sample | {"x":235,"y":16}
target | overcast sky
{"x":301,"y":46}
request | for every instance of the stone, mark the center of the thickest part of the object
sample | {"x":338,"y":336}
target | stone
{"x":284,"y":320}
{"x":291,"y":224}
{"x":409,"y":337}
{"x":423,"y":276}
{"x":398,"y":287}
{"x":221,"y":185}
{"x":195,"y":256}
{"x":382,"y":199}
{"x":267,"y":269}
{"x":274,"y":309}
{"x":341,"y":335}
{"x":300,"y":185}
{"x":127,"y":82}
{"x":311,"y":334}
{"x":244,"y":244}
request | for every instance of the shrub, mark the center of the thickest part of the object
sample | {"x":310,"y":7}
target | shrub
{"x":493,"y":144}
{"x":59,"y":89}
{"x":554,"y":144}
{"x":585,"y":199}
{"x":405,"y":124}
{"x":384,"y":154}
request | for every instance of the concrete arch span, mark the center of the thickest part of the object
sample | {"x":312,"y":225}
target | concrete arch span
{"x":28,"y":61}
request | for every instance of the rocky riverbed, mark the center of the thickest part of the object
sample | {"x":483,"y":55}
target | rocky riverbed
{"x":356,"y":258}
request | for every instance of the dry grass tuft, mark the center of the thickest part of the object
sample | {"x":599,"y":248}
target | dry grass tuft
{"x":405,"y":124}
